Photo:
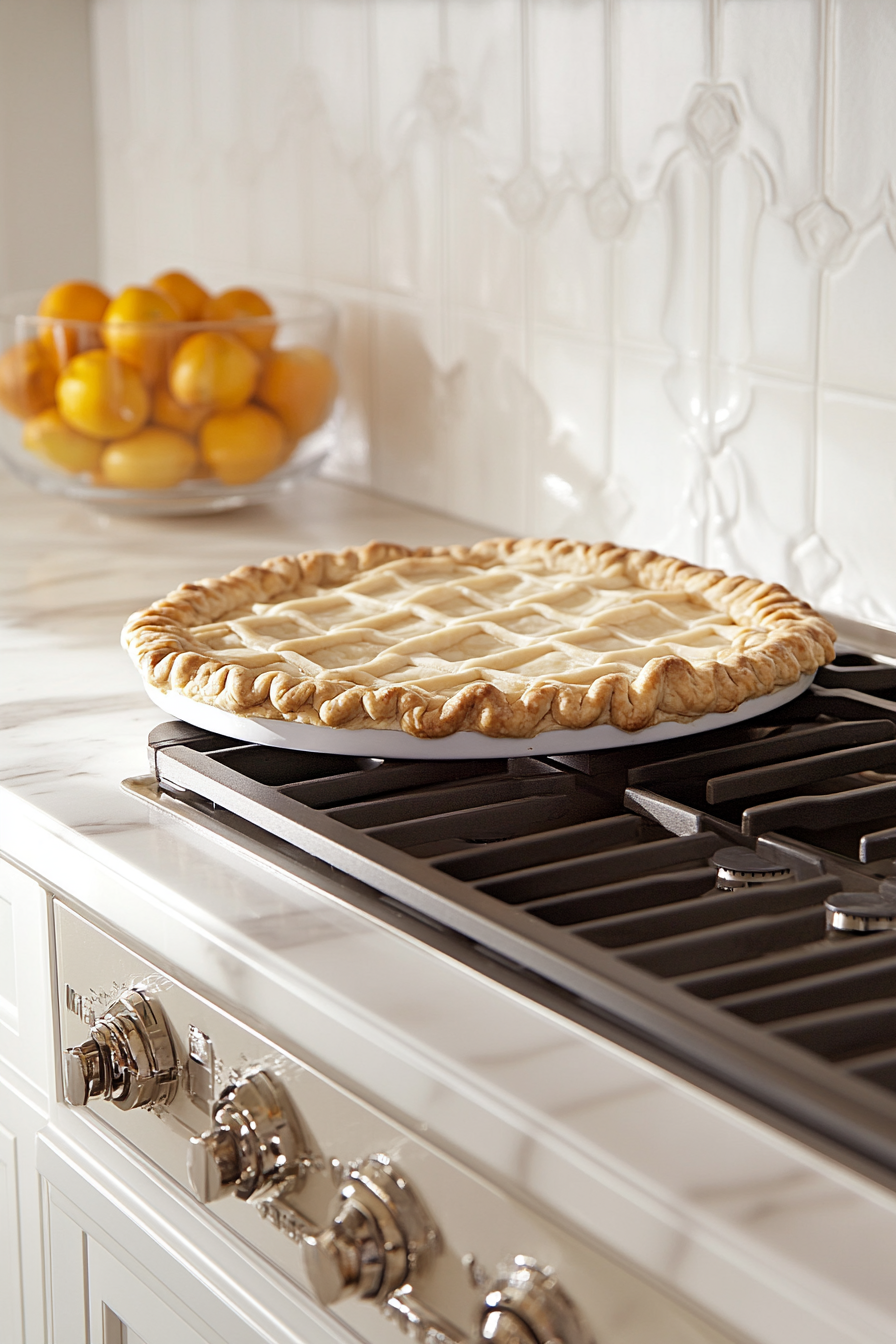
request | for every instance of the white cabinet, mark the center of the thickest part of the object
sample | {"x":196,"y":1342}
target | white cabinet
{"x":122,"y":1310}
{"x":21,"y":1222}
{"x":10,"y":1254}
{"x":25,"y":1055}
{"x":25,"y":1017}
{"x":133,"y":1259}
{"x":97,"y":1299}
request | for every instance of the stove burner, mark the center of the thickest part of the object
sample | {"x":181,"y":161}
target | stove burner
{"x":740,"y":867}
{"x":861,"y":912}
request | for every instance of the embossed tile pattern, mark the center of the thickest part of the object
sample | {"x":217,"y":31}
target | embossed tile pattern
{"x":619,"y":268}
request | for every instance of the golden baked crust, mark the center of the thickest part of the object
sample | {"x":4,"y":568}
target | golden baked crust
{"x":507,"y":638}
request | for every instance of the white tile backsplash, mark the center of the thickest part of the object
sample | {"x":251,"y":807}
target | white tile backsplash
{"x":619,"y":268}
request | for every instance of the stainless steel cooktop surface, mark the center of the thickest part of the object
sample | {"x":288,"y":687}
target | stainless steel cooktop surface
{"x":729,"y":900}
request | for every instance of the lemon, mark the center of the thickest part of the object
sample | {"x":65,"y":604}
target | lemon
{"x":75,"y":301}
{"x":52,"y":439}
{"x":185,"y":293}
{"x":153,"y":459}
{"x":213,"y":370}
{"x":102,"y":396}
{"x":237,"y":305}
{"x":134,"y":329}
{"x":242,"y":446}
{"x":27,"y":379}
{"x":300,"y":386}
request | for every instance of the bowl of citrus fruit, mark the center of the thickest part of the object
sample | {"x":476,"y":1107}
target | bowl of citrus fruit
{"x":166,"y":397}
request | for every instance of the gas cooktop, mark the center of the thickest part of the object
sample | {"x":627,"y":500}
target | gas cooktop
{"x":729,"y":900}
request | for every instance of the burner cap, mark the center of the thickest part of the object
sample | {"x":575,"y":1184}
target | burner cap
{"x":861,"y":911}
{"x":743,"y":867}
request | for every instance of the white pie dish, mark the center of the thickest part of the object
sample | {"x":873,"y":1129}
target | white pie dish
{"x":396,"y":745}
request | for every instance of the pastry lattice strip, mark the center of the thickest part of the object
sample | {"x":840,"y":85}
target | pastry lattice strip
{"x":501,"y":625}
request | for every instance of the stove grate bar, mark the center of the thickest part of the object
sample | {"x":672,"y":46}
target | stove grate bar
{"x":818,"y":811}
{"x":628,"y":758}
{"x":878,"y":845}
{"x":620,"y":898}
{"x":501,"y":827}
{"x":782,"y":967}
{"x":842,"y":704}
{"x":371,"y":777}
{"x":676,"y":817}
{"x":393,"y":808}
{"x":783,"y":746}
{"x":744,"y":941}
{"x":879,"y":1067}
{"x":557,"y":844}
{"x":704,"y":912}
{"x":831,"y":989}
{"x":571,"y":875}
{"x":276,"y":768}
{"x":790,"y":774}
{"x":839,"y":1034}
{"x":869,"y":677}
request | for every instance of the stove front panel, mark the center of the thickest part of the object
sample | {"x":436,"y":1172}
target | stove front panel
{"x":479,"y":1226}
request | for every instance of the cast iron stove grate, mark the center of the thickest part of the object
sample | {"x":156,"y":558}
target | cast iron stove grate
{"x":600,"y":873}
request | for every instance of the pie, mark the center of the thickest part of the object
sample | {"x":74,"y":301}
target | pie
{"x":507,"y":638}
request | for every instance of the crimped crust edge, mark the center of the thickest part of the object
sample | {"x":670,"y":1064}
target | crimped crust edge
{"x":798,"y":640}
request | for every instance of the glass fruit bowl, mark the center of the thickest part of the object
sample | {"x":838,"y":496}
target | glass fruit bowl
{"x":157,"y":415}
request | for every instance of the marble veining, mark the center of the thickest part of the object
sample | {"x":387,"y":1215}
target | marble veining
{"x":773,"y":1242}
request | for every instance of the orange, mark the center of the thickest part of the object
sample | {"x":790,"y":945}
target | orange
{"x":154,"y":459}
{"x":214,"y":370}
{"x":300,"y":385}
{"x":27,"y":379}
{"x":168,"y":412}
{"x":134,"y":329}
{"x":242,"y":446}
{"x":102,"y":396}
{"x":50,"y":437}
{"x":187,"y":296}
{"x":236,"y":304}
{"x":77,"y":301}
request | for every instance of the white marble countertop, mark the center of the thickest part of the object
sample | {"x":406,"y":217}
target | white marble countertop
{"x":770,"y":1238}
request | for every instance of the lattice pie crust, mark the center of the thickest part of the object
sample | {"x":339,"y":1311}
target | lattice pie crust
{"x":507,"y":638}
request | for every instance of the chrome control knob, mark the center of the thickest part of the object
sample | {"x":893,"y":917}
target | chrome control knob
{"x":526,"y":1305}
{"x":505,"y":1327}
{"x":379,"y":1236}
{"x":258,"y":1145}
{"x":129,"y":1058}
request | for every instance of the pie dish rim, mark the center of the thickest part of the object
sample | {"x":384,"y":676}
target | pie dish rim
{"x":386,"y":744}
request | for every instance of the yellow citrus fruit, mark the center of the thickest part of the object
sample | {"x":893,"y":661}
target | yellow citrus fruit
{"x":168,"y":412}
{"x":154,"y":459}
{"x":187,"y":296}
{"x":236,"y":304}
{"x":214,"y":370}
{"x":300,"y":386}
{"x":242,"y":446}
{"x":75,"y":301}
{"x":27,"y":379}
{"x":51,"y":438}
{"x":102,"y":396}
{"x":134,"y":329}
